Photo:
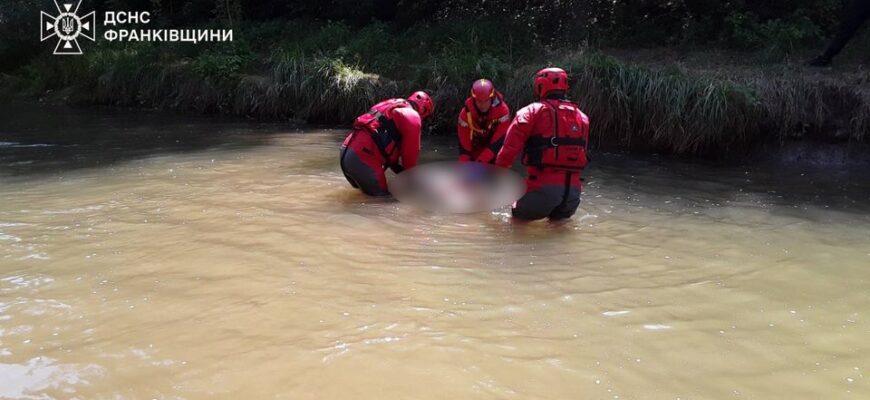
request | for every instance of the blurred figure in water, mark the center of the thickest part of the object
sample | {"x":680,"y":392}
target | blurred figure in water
{"x":552,"y":135}
{"x":856,"y":15}
{"x":458,"y":187}
{"x":482,"y":123}
{"x":386,"y":137}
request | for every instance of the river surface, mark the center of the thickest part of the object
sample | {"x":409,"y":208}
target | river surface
{"x":145,"y":255}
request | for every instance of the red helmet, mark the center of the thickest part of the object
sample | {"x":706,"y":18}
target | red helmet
{"x":550,"y":79}
{"x":423,"y":103}
{"x":482,"y":90}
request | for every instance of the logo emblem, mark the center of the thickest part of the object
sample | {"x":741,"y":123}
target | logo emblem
{"x":68,"y":26}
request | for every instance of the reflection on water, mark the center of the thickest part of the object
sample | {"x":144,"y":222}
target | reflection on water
{"x":237,"y":263}
{"x":40,"y":376}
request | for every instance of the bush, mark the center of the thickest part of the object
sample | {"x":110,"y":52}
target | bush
{"x":327,"y":72}
{"x":779,"y":36}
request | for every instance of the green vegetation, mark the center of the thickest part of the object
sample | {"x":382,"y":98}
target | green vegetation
{"x":330,"y":71}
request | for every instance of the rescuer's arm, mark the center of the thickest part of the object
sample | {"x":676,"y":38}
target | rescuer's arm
{"x":496,"y":141}
{"x":409,"y":126}
{"x":463,"y":132}
{"x":584,"y":122}
{"x":515,"y":138}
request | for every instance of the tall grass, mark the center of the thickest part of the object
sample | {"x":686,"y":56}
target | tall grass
{"x":326,"y":74}
{"x":797,"y":107}
{"x":668,"y":110}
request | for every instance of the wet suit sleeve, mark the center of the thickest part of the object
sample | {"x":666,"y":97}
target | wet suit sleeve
{"x":496,"y":142}
{"x":409,"y":125}
{"x":515,"y":138}
{"x":587,"y":126}
{"x":464,"y":134}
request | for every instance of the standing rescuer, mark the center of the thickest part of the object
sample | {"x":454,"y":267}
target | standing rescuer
{"x":483,"y":122}
{"x":387,"y":136}
{"x":553,"y":136}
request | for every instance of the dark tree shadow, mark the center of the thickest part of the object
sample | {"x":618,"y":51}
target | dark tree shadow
{"x":40,"y":140}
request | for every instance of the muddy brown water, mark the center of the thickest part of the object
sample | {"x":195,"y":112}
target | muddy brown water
{"x":145,"y":255}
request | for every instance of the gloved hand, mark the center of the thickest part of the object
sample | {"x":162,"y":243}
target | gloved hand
{"x":397,"y":168}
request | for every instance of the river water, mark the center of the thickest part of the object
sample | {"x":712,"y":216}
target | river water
{"x":145,"y":255}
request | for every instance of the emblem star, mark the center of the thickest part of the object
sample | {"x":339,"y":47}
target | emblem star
{"x":67,"y":26}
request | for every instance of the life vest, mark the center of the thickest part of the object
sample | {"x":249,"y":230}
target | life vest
{"x":482,"y":126}
{"x":564,"y":146}
{"x":378,"y":122}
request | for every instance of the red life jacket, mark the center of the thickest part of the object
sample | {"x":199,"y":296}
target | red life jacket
{"x":378,"y":122}
{"x":564,"y":146}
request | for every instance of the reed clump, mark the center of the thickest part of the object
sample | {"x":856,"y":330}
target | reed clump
{"x":329,"y":73}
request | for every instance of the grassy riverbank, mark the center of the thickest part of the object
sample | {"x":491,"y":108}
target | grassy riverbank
{"x":329,"y":73}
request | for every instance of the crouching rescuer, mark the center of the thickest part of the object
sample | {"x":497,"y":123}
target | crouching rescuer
{"x":482,"y":123}
{"x":553,"y":136}
{"x":386,"y":137}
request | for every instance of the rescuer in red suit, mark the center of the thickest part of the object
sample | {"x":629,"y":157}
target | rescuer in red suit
{"x":482,"y":123}
{"x":553,"y":136}
{"x":387,"y":136}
